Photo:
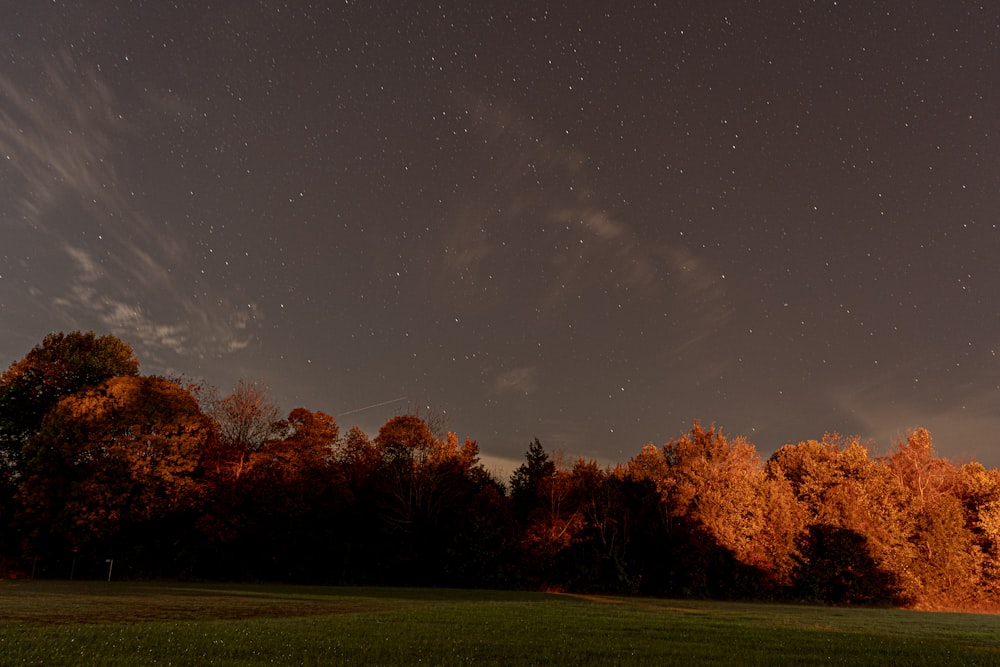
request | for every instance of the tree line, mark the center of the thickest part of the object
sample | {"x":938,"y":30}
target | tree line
{"x":174,"y":480}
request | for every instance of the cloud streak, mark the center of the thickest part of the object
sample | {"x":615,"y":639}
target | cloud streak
{"x":61,"y":148}
{"x":57,"y":142}
{"x":539,"y":198}
{"x":522,"y":380}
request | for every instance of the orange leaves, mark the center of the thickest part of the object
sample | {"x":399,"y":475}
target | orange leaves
{"x":62,"y":365}
{"x":309,"y":443}
{"x":916,"y":468}
{"x":705,"y":477}
{"x":924,"y":522}
{"x":549,"y":534}
{"x":408,"y":439}
{"x":244,"y":421}
{"x":563,"y":507}
{"x":131,"y":460}
{"x":416,"y":473}
{"x":465,"y":455}
{"x":127,"y":449}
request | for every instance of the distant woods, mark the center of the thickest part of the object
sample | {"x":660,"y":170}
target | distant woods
{"x":98,"y":462}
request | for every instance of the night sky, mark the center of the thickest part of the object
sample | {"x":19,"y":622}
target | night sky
{"x":575,"y":221}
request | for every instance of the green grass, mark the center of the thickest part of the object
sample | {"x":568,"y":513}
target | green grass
{"x":76,"y":623}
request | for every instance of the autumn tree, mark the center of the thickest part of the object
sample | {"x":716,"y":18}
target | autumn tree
{"x":61,"y":365}
{"x":906,"y":509}
{"x":947,"y":559}
{"x":978,"y":489}
{"x":405,"y":445}
{"x":839,"y":487}
{"x":245,"y":421}
{"x":290,"y":474}
{"x":110,"y":460}
{"x":421,"y":493}
{"x":777,"y":544}
{"x":358,"y":457}
{"x":596,"y":494}
{"x":281,"y":519}
{"x":717,"y":482}
{"x":549,"y":518}
{"x":607,"y":508}
{"x":649,"y":467}
{"x":916,"y":468}
{"x":420,"y":468}
{"x":712,"y":508}
{"x":810,"y":468}
{"x":552,"y":526}
{"x":835,"y":564}
{"x":308,"y":443}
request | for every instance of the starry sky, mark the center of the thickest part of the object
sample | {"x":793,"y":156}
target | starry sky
{"x":586,"y":222}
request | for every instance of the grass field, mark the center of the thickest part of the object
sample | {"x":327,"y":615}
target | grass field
{"x":78,"y":623}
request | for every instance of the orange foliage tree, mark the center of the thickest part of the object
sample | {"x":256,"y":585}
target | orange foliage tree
{"x":96,"y":460}
{"x":113,"y":457}
{"x":61,"y":365}
{"x":848,"y":501}
{"x":554,"y":524}
{"x":420,"y":492}
{"x":946,"y":559}
{"x":419,"y":470}
{"x":245,"y":420}
{"x":979,"y":491}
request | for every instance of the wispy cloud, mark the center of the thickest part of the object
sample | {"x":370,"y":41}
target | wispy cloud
{"x":198,"y":329}
{"x":64,"y":143}
{"x":60,"y":149}
{"x":522,"y":380}
{"x":537,"y":196}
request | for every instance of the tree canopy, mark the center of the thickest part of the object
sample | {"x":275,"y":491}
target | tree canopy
{"x":181,"y":481}
{"x":61,"y":365}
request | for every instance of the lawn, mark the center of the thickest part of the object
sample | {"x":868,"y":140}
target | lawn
{"x":97,"y":623}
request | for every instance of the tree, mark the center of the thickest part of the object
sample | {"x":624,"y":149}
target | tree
{"x":810,"y":469}
{"x":777,"y":544}
{"x":526,"y":480}
{"x":949,"y":560}
{"x":245,"y":421}
{"x":290,"y":473}
{"x":836,"y":566}
{"x":552,"y":526}
{"x":717,"y":483}
{"x":417,"y":469}
{"x":113,"y":458}
{"x":595,"y":526}
{"x":648,"y":468}
{"x":415,"y":505}
{"x":405,"y":437}
{"x":979,"y":491}
{"x":711,"y":502}
{"x":357,"y":457}
{"x":285,"y":508}
{"x":838,"y":485}
{"x":404,"y":443}
{"x":926,"y":476}
{"x":61,"y":365}
{"x":946,"y":559}
{"x":309,"y":443}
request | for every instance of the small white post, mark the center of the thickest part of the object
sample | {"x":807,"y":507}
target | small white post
{"x":111,"y":564}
